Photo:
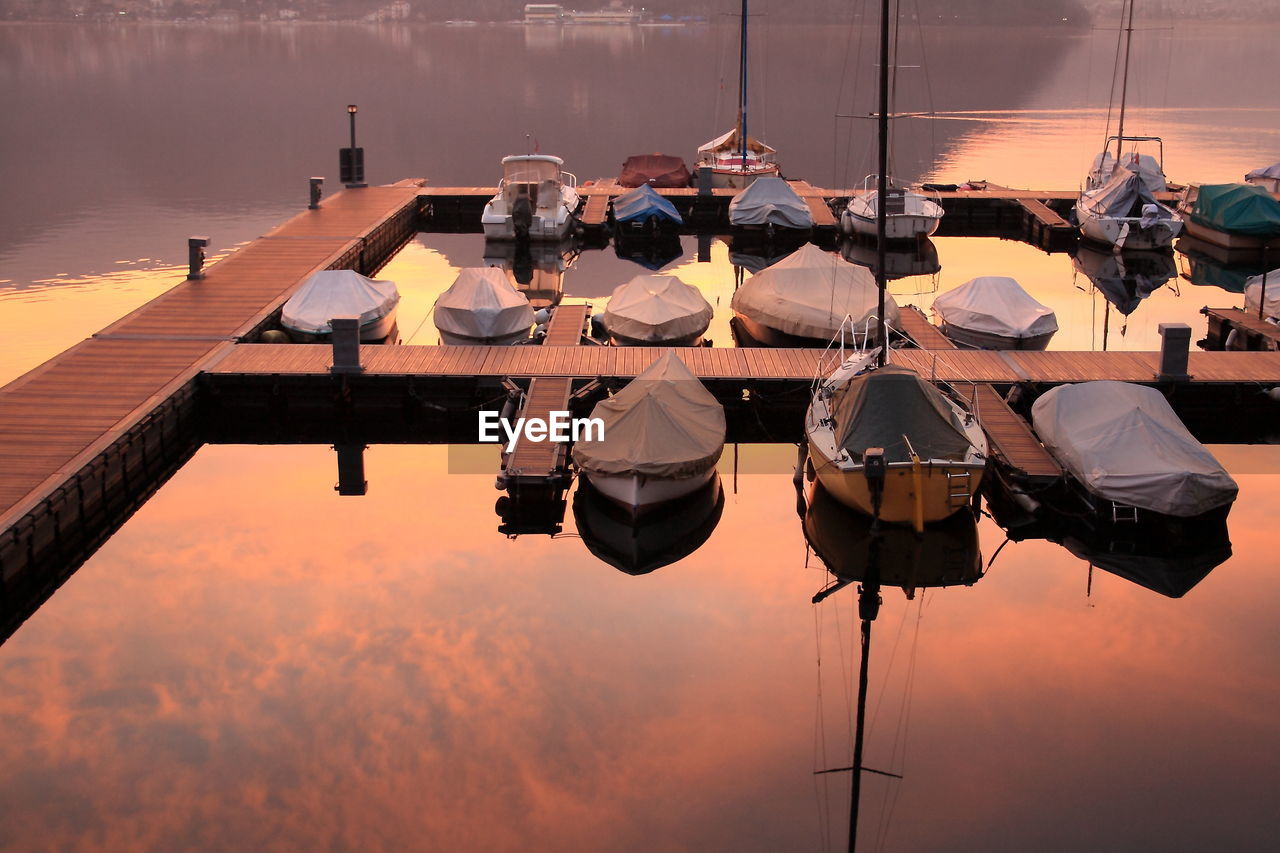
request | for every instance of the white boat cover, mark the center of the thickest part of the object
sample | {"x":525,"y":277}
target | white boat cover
{"x":481,"y":303}
{"x":663,"y":424}
{"x":1117,"y":197}
{"x":770,"y":200}
{"x":1271,"y":172}
{"x":1253,"y":293}
{"x":1147,"y":168}
{"x":731,"y":141}
{"x":997,"y":305}
{"x":657,"y":308}
{"x":338,"y":293}
{"x":1124,"y":443}
{"x":810,"y":292}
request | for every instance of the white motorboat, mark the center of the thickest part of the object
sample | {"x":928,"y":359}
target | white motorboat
{"x":909,"y":215}
{"x":1125,"y":214}
{"x":994,"y":312}
{"x":536,"y":200}
{"x":663,"y":434}
{"x":657,"y":310}
{"x":1268,"y":178}
{"x":808,"y":297}
{"x":1124,"y":444}
{"x":481,"y":308}
{"x":307,"y":316}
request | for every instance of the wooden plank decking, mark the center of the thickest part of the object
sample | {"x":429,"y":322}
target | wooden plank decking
{"x":1011,"y":438}
{"x":923,"y":334}
{"x":1252,"y":332}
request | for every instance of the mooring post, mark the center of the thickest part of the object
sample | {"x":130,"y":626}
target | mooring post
{"x":346,"y":345}
{"x":195,"y":257}
{"x":704,"y":180}
{"x":1175,"y":347}
{"x":704,"y":248}
{"x":317,"y":188}
{"x":351,"y":479}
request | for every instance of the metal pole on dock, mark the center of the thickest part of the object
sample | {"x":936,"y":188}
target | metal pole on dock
{"x":351,"y":160}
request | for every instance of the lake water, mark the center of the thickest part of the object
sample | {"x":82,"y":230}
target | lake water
{"x":255,"y":662}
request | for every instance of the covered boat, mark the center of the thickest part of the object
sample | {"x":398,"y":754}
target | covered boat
{"x":1254,"y":294}
{"x":1124,"y":444}
{"x":808,"y":295}
{"x":663,"y":435}
{"x":641,"y":545}
{"x":934,"y":452}
{"x":1242,"y":209}
{"x":730,"y":169}
{"x":1124,"y":213}
{"x":1268,"y":178}
{"x":341,"y":293}
{"x":536,"y":200}
{"x":769,"y":201}
{"x":654,"y":310}
{"x":643,"y":207}
{"x":482,"y":308}
{"x":994,"y":312}
{"x":909,"y":215}
{"x":654,"y":170}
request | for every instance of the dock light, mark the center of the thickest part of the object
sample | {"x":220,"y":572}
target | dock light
{"x":351,"y":160}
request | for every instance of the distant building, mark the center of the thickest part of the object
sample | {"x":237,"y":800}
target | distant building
{"x":543,"y":13}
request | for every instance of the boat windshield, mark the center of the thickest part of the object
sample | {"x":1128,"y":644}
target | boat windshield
{"x":530,"y":171}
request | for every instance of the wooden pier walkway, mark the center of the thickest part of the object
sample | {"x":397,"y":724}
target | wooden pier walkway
{"x":86,"y":416}
{"x":1251,"y":333}
{"x":922,"y":333}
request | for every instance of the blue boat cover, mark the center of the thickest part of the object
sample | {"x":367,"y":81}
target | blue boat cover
{"x":1238,"y":209}
{"x":639,"y":204}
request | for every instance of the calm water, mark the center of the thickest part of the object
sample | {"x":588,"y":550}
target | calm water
{"x":254,"y":662}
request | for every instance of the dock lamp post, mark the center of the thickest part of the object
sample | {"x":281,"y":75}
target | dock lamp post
{"x":351,"y":160}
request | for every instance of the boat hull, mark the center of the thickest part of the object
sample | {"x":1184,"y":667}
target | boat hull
{"x":452,"y":340}
{"x":987,"y":340}
{"x":639,"y":494}
{"x":759,"y":335}
{"x":1126,"y":231}
{"x":737,"y":178}
{"x":686,"y":341}
{"x":375,"y":331}
{"x":903,"y":226}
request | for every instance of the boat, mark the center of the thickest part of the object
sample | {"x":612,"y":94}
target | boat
{"x":909,"y":215}
{"x":1117,"y":206}
{"x":536,"y":200}
{"x":481,"y":308}
{"x":890,"y":444}
{"x":663,"y":434}
{"x":1125,"y":213}
{"x":1236,"y":217}
{"x":657,"y":310}
{"x":1267,"y":177}
{"x":994,"y":312}
{"x":643,"y":209}
{"x":1125,"y":278}
{"x":737,"y":159}
{"x":654,"y":170}
{"x":1124,"y":445}
{"x":327,"y":294}
{"x":1262,"y":295}
{"x":770,"y":203}
{"x":808,"y":298}
{"x":638,"y":546}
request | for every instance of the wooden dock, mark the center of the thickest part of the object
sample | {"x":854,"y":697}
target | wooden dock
{"x":93,"y":417}
{"x":1237,"y":330}
{"x":922,"y":333}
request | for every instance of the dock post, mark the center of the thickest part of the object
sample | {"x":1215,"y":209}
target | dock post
{"x":195,"y":257}
{"x":351,"y":481}
{"x":704,"y":180}
{"x":1175,"y":345}
{"x":317,"y":188}
{"x":346,"y":345}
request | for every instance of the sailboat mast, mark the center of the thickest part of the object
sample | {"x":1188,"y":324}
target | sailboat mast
{"x":882,"y":180}
{"x":742,"y":90}
{"x":1124,"y":82}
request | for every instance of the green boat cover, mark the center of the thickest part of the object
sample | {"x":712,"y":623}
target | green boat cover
{"x":1238,"y":209}
{"x":889,"y":407}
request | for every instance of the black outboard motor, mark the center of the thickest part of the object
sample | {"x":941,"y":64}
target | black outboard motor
{"x":522,"y":217}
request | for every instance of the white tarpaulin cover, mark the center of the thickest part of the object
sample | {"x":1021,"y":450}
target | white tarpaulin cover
{"x":1272,"y":172}
{"x":1253,"y":294}
{"x":338,"y":293}
{"x":770,"y":200}
{"x":1147,"y":168}
{"x":657,"y":308}
{"x":997,"y":305}
{"x":663,"y":424}
{"x":810,"y":292}
{"x":481,"y":303}
{"x":731,"y":142}
{"x":1121,"y":196}
{"x":1124,"y":443}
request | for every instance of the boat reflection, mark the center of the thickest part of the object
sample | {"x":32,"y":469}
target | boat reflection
{"x":1125,"y":278}
{"x":1200,"y":268}
{"x":536,"y":269}
{"x":658,"y":538}
{"x":651,"y":251}
{"x":919,"y":257}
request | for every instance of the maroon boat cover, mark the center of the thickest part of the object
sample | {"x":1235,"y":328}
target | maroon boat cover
{"x":656,"y":170}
